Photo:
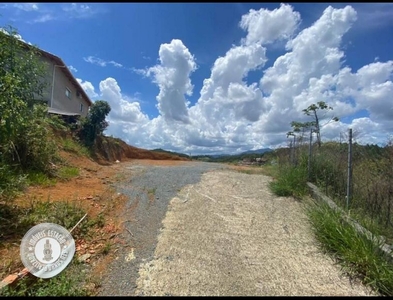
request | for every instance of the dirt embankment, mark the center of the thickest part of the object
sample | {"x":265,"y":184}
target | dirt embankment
{"x":92,"y":190}
{"x":109,"y":149}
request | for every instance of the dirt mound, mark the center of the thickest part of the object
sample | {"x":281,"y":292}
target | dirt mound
{"x":109,"y":149}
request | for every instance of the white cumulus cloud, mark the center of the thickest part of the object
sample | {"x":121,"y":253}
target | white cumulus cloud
{"x":172,"y":78}
{"x":265,"y":26}
{"x":88,"y":88}
{"x":122,"y":108}
{"x":233,"y":114}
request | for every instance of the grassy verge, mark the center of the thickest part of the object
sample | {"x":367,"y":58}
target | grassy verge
{"x":73,"y":146}
{"x":67,"y":172}
{"x":39,"y":178}
{"x":290,"y":181}
{"x":358,"y":256}
{"x":67,"y":283}
{"x":17,"y":221}
{"x":12,"y":182}
{"x":268,"y":170}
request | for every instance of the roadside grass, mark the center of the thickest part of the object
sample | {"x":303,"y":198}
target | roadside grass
{"x":70,"y":145}
{"x":67,"y":172}
{"x":11,"y":183}
{"x":67,"y":283}
{"x":372,"y":225}
{"x":268,"y":170}
{"x":357,"y":255}
{"x":290,"y":181}
{"x":39,"y":178}
{"x":252,"y":170}
{"x":64,"y":172}
{"x":16,"y":221}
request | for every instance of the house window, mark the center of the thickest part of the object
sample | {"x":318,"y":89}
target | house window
{"x":68,"y":93}
{"x":81,"y":108}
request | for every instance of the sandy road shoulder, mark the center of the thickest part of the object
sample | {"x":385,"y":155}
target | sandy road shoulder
{"x":229,"y":235}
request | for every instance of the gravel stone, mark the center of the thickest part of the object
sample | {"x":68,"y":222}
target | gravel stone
{"x":143,"y":217}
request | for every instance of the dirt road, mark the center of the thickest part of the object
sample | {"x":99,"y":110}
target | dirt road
{"x":225,"y":234}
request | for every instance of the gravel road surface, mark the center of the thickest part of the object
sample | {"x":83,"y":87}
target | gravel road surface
{"x":200,"y":229}
{"x":150,"y":189}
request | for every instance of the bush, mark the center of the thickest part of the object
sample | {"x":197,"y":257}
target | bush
{"x":291,"y":181}
{"x":10,"y":182}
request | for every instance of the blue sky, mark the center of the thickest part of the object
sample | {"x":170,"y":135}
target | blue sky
{"x":222,"y":78}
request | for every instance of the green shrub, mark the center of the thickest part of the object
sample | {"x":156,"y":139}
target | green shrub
{"x":290,"y":181}
{"x":10,"y":182}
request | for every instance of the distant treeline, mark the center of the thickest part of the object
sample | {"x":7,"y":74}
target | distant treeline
{"x":226,"y":158}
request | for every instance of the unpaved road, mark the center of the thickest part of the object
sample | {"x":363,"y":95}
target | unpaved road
{"x":224,"y":234}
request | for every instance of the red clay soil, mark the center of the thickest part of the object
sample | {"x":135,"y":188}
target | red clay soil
{"x":92,"y":191}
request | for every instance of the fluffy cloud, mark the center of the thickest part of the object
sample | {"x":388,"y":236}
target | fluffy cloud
{"x":123,"y":109}
{"x":374,"y":87}
{"x":233,"y":115}
{"x":172,"y":78}
{"x":304,"y":75}
{"x":265,"y":26}
{"x":88,"y":88}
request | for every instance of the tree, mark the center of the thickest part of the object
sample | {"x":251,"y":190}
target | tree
{"x":95,"y":124}
{"x":24,"y":142}
{"x":312,"y":111}
{"x":97,"y":114}
{"x":300,"y":128}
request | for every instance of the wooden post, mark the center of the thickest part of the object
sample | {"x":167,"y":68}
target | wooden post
{"x":349,"y":178}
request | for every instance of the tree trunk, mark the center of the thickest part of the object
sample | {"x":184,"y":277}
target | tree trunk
{"x":317,"y":128}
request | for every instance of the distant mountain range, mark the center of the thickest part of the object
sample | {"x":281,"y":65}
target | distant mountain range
{"x":171,"y":152}
{"x":257,"y":151}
